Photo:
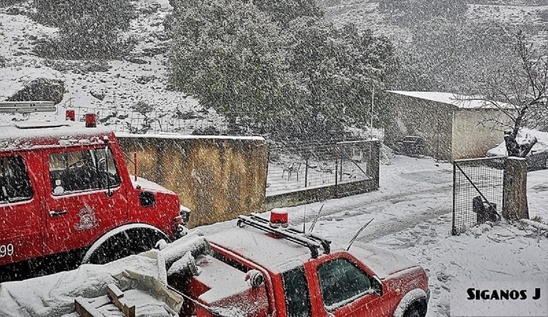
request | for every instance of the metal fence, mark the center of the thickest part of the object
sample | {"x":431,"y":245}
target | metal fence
{"x":312,"y":165}
{"x":132,"y":121}
{"x":477,"y":187}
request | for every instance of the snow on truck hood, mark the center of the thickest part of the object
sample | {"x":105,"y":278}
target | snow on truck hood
{"x":146,"y":184}
{"x":382,"y":262}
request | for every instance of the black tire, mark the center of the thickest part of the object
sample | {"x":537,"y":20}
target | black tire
{"x":417,"y":309}
{"x":126,"y":243}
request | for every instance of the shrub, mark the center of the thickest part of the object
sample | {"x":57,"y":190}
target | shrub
{"x":87,"y":29}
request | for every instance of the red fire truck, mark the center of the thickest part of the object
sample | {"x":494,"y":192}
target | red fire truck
{"x":66,"y":197}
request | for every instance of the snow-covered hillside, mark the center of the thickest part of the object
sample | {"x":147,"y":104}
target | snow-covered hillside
{"x":118,"y":88}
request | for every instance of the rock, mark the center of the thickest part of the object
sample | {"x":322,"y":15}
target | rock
{"x":98,"y":94}
{"x":41,"y":89}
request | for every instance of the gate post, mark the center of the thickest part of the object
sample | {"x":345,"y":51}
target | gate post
{"x":514,"y":190}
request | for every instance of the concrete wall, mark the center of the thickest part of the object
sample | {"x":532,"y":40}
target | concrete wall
{"x":475,"y":131}
{"x":218,"y":178}
{"x":430,"y":120}
{"x":449,"y":132}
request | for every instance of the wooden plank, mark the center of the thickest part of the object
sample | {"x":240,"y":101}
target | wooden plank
{"x":535,"y":224}
{"x":114,"y":292}
{"x":117,"y":298}
{"x":85,"y":309}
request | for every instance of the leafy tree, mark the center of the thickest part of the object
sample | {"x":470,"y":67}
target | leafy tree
{"x":338,"y":69}
{"x":303,"y":80}
{"x":228,"y":54}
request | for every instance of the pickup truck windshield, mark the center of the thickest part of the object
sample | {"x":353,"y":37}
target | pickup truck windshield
{"x":341,"y":282}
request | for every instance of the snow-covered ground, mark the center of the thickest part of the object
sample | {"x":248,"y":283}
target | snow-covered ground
{"x":412,"y":217}
{"x":412,"y":212}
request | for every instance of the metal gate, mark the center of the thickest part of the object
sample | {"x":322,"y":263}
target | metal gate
{"x":477,"y":192}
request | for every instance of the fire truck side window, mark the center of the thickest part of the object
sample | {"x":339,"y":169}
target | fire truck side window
{"x":297,"y":298}
{"x":78,"y":171}
{"x":14,"y":180}
{"x":341,"y":282}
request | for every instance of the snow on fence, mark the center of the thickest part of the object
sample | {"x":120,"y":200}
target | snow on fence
{"x":477,"y":191}
{"x":152,"y":121}
{"x":313,"y":170}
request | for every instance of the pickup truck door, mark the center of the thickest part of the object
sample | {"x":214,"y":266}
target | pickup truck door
{"x":344,"y":288}
{"x":82,"y":201}
{"x":20,"y":207}
{"x":296,"y":292}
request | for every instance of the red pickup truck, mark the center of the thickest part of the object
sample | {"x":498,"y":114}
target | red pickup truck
{"x":262,"y":269}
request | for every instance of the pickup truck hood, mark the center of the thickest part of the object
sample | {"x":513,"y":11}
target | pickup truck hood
{"x":381,"y":261}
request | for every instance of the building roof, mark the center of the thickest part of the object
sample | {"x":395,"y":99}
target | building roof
{"x":459,"y":101}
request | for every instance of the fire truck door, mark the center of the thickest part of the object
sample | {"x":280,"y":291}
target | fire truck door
{"x":86,"y":197}
{"x":20,"y":227}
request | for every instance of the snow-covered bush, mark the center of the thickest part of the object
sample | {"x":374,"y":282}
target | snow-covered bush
{"x":87,"y":29}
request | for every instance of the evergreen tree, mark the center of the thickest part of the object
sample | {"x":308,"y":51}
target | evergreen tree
{"x":305,"y":80}
{"x":228,"y":54}
{"x":338,"y":68}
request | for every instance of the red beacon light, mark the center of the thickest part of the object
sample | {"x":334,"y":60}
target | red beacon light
{"x":70,"y":115}
{"x":278,"y":218}
{"x":91,"y":120}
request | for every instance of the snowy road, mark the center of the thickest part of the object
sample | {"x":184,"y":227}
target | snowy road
{"x":412,"y":217}
{"x":412,"y":213}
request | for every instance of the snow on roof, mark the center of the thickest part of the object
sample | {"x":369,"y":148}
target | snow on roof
{"x":459,"y":101}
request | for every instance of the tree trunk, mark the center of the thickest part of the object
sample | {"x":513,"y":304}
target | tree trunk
{"x":514,"y":193}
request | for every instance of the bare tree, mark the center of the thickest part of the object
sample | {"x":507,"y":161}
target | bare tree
{"x":519,"y":88}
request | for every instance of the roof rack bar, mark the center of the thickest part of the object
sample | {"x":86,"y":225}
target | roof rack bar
{"x":26,"y":106}
{"x":326,"y":244}
{"x":313,"y":243}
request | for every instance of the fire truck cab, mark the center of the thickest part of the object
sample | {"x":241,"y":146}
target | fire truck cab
{"x":66,"y":197}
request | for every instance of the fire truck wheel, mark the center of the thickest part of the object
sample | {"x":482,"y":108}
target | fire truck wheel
{"x":123,"y":243}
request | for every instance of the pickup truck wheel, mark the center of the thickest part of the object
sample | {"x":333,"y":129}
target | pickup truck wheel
{"x":123,"y":244}
{"x":415,"y":310}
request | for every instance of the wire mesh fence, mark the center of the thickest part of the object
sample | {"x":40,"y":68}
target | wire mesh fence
{"x":477,"y":187}
{"x":135,"y":122}
{"x":310,"y":165}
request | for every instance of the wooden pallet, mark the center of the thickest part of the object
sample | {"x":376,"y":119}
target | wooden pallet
{"x":89,"y":307}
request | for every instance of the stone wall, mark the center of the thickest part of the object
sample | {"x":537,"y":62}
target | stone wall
{"x":218,"y":178}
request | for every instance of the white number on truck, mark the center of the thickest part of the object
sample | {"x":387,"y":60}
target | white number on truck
{"x":6,"y":250}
